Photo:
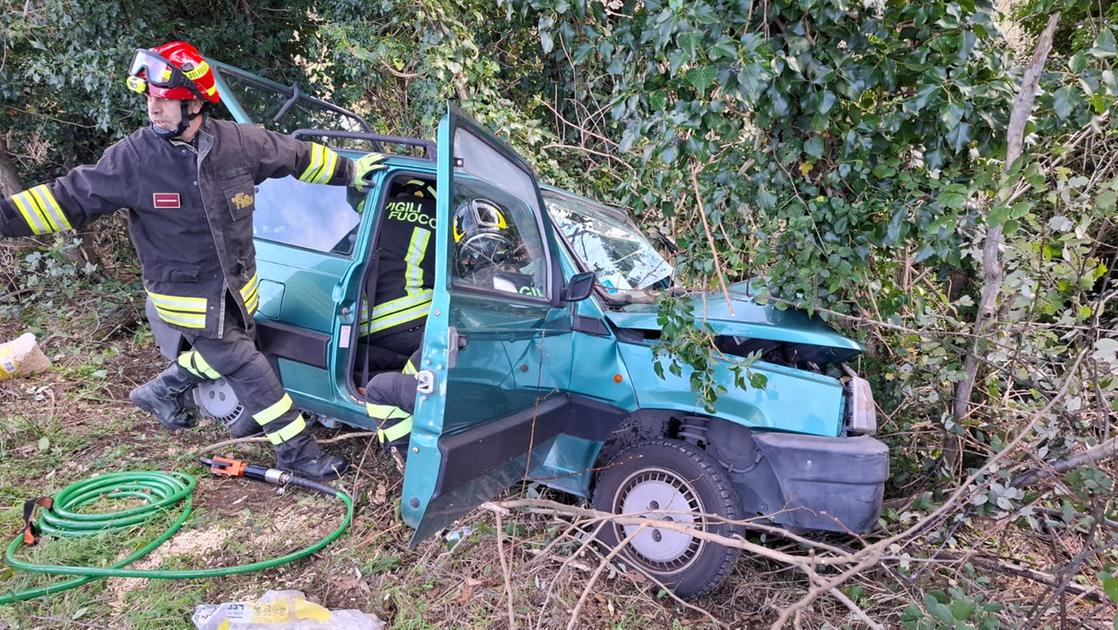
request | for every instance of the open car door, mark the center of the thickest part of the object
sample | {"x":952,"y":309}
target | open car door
{"x":493,"y":372}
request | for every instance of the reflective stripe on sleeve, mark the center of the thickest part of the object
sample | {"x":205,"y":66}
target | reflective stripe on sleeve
{"x":188,"y":312}
{"x":50,"y":207}
{"x":31,"y":213}
{"x":315,"y":166}
{"x":183,"y":320}
{"x":385,"y":412}
{"x":417,"y":249}
{"x":395,"y":432}
{"x":324,"y":162}
{"x":401,"y":317}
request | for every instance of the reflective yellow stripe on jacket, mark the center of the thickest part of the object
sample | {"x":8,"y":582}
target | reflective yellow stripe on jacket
{"x":417,"y":301}
{"x":41,"y":210}
{"x":188,"y":312}
{"x":250,"y":293}
{"x":323,"y":164}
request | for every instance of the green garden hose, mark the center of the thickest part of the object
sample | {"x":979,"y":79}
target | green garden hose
{"x":162,"y":492}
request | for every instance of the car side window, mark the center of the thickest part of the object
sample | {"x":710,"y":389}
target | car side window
{"x":498,"y":244}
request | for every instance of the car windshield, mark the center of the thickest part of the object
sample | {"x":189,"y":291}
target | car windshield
{"x":607,"y":242}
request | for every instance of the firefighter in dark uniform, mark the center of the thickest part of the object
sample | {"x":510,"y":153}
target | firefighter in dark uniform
{"x":488,"y":254}
{"x":405,"y":277}
{"x":188,"y":185}
{"x":390,"y":400}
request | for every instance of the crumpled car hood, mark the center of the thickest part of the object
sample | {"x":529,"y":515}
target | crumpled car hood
{"x":749,"y":321}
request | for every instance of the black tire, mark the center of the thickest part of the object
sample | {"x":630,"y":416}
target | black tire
{"x":651,"y":472}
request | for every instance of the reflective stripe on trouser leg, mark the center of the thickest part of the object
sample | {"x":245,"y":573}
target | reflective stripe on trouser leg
{"x":394,"y":432}
{"x":280,"y":421}
{"x":196,"y":364}
{"x":387,"y":413}
{"x":252,"y":378}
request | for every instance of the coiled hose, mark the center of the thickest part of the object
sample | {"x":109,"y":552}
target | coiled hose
{"x":162,"y":492}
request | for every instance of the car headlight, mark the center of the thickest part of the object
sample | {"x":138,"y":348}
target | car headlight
{"x":863,"y":413}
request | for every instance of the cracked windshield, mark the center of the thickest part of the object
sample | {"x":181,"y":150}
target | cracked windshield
{"x":609,"y":245}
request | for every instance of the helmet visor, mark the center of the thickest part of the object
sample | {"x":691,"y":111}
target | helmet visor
{"x":489,"y":216}
{"x":156,"y":70}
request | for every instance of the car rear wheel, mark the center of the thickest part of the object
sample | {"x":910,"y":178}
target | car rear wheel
{"x":673,"y":481}
{"x":216,"y":400}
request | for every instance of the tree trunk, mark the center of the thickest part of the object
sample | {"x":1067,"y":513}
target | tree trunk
{"x":991,"y":250}
{"x":10,"y":184}
{"x":9,"y":180}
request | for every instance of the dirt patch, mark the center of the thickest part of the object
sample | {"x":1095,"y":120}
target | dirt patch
{"x":195,"y":543}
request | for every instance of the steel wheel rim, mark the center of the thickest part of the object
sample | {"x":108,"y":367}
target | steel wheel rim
{"x":660,"y":494}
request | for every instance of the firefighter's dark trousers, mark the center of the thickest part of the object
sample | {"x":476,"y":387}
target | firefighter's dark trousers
{"x":235,"y":358}
{"x":390,"y":400}
{"x":390,"y":349}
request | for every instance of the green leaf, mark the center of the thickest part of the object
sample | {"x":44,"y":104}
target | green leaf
{"x":814,"y":147}
{"x":722,"y":49}
{"x":669,"y":154}
{"x":1110,"y":586}
{"x":702,"y":78}
{"x":826,"y":101}
{"x":546,"y":41}
{"x":923,"y":95}
{"x":938,"y":610}
{"x":962,"y":609}
{"x":1063,"y":102}
{"x":952,"y":199}
{"x":1077,"y":63}
{"x":959,"y":136}
{"x":1105,"y":200}
{"x":44,"y":444}
{"x":1104,"y":45}
{"x":689,"y":43}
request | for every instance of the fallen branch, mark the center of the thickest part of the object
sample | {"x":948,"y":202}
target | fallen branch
{"x":710,"y":240}
{"x":573,"y":623}
{"x":505,"y":566}
{"x":850,"y":605}
{"x":1010,"y":568}
{"x":258,"y":440}
{"x":1105,"y":450}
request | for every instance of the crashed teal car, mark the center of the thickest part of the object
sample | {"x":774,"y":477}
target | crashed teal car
{"x":557,"y":384}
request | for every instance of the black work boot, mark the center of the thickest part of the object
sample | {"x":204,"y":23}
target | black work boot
{"x":304,"y":457}
{"x":165,"y":397}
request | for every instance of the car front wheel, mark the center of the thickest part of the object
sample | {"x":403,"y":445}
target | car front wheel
{"x":674,"y":481}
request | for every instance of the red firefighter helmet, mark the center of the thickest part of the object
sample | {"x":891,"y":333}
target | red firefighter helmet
{"x":175,"y":70}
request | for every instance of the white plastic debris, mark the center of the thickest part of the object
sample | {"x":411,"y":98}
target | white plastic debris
{"x":459,"y":534}
{"x":22,"y":357}
{"x":281,"y":610}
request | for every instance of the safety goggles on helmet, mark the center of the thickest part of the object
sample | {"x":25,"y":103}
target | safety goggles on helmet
{"x":149,"y":68}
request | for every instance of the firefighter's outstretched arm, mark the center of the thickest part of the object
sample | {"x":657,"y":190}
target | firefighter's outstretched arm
{"x":69,"y":202}
{"x":279,"y":155}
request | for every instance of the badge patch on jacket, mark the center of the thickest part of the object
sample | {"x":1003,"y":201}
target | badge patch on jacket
{"x":163,"y":201}
{"x":241,"y":200}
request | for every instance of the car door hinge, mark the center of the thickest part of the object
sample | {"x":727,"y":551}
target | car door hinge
{"x":426,"y":380}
